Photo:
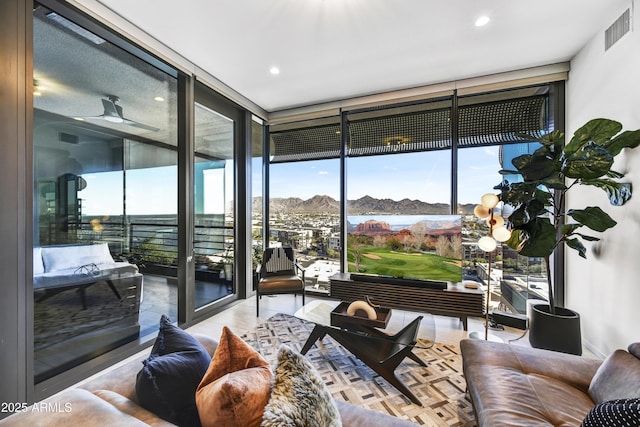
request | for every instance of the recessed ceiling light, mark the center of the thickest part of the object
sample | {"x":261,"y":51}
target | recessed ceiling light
{"x":274,"y":70}
{"x":159,"y":98}
{"x":482,"y":21}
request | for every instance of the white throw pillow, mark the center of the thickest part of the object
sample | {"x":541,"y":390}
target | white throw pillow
{"x":57,"y":258}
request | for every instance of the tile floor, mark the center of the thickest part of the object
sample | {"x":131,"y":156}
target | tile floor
{"x":242,"y":317}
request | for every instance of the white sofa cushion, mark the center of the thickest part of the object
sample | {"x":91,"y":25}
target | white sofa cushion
{"x":71,"y":276}
{"x":57,"y":258}
{"x":38,"y":265}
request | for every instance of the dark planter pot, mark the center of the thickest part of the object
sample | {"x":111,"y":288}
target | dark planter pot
{"x":557,"y":332}
{"x":210,"y":276}
{"x":159,"y":270}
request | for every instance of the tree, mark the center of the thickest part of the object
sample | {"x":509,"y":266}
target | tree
{"x":379,"y":241}
{"x":418,"y":232}
{"x":356,"y":249}
{"x":456,"y":246}
{"x":442,"y":246}
{"x":394,"y":244}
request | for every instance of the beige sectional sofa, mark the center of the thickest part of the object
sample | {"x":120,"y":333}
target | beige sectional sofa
{"x":110,"y":400}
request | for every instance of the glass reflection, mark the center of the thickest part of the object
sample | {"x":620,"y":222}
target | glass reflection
{"x":105,"y":195}
{"x":213,"y":207}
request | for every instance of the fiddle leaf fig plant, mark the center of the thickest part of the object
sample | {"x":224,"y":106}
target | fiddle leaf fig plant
{"x":539,"y":223}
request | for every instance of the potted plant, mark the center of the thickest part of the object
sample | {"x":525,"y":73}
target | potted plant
{"x":539,"y":223}
{"x":227,"y":263}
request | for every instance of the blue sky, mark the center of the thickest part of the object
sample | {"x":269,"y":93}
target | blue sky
{"x":149,"y":191}
{"x":423,"y":176}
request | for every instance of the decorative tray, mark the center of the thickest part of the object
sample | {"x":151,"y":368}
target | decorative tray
{"x":339,"y":317}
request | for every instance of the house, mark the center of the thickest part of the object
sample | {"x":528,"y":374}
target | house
{"x":599,"y":83}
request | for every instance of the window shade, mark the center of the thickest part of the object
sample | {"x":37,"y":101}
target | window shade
{"x":500,"y":122}
{"x":402,"y":133}
{"x":422,"y":127}
{"x":310,"y":143}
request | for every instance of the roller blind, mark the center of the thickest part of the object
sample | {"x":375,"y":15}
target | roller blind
{"x":419,"y":127}
{"x":401,"y":133}
{"x":307,"y":143}
{"x":500,"y":122}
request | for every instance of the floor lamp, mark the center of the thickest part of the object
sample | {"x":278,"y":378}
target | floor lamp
{"x":497,"y":233}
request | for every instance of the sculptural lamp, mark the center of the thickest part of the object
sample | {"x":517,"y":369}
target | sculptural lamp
{"x":497,"y":233}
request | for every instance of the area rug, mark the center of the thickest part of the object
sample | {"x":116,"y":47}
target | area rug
{"x":440,"y":386}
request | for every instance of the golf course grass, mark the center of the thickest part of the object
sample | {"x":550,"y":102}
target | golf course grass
{"x":409,"y":264}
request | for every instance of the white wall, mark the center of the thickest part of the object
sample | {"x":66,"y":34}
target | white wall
{"x":605,"y":288}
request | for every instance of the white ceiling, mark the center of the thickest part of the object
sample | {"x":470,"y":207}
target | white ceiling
{"x":336,"y":49}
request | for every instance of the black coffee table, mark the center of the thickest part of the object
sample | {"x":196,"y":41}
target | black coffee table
{"x":382,"y":351}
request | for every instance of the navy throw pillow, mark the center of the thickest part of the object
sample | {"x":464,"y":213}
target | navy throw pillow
{"x":614,"y":413}
{"x":167,"y":383}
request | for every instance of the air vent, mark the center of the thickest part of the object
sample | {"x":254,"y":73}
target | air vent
{"x":67,"y":137}
{"x":617,"y":29}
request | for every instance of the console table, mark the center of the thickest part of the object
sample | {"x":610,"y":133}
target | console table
{"x":454,"y":301}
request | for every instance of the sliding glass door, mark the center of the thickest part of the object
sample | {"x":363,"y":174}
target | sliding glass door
{"x":213,"y":198}
{"x":105,"y":201}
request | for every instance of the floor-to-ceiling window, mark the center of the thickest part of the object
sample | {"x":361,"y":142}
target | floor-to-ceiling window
{"x":492,"y":129}
{"x":398,"y":179}
{"x":404,"y":166}
{"x":257,"y":197}
{"x":105,"y":194}
{"x":304,"y":196}
{"x":218,"y":251}
{"x":213,"y":244}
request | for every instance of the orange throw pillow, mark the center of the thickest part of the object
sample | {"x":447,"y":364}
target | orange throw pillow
{"x":236,"y":386}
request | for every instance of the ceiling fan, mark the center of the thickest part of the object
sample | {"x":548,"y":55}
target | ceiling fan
{"x":113,"y":113}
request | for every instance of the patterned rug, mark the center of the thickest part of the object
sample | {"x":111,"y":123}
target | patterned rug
{"x":440,"y":386}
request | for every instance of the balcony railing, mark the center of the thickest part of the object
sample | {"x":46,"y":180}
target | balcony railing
{"x":149,"y":242}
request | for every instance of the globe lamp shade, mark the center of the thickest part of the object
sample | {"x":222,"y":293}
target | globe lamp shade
{"x":501,"y":234}
{"x":487,"y":244}
{"x":481,"y":211}
{"x":489,"y":200}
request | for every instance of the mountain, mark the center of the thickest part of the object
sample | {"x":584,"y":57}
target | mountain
{"x":321,"y":204}
{"x":438,"y":224}
{"x":368,"y":204}
{"x":363,"y":206}
{"x":372,"y":228}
